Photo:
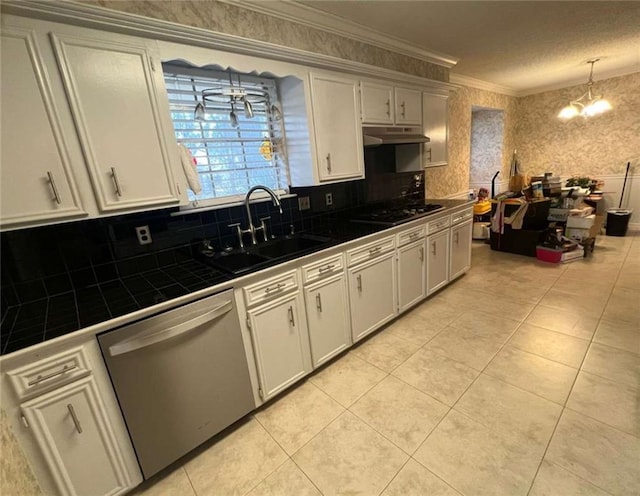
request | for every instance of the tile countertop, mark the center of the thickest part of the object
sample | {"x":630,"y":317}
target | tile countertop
{"x":108,"y":305}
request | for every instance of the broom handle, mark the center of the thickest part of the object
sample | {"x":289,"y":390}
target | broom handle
{"x":624,"y":184}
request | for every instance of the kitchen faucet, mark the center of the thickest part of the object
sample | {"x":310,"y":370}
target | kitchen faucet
{"x":262,"y":227}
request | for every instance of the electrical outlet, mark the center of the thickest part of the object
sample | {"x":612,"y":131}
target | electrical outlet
{"x":144,"y":235}
{"x":328,"y":199}
{"x":304,"y":203}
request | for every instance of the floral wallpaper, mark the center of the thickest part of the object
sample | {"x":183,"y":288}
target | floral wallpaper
{"x":225,"y":18}
{"x":486,"y":150}
{"x":599,"y":145}
{"x":454,"y":178}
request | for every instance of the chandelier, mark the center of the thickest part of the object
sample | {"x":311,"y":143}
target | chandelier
{"x":587,"y":105}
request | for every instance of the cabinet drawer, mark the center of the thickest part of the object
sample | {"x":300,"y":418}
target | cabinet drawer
{"x":325,"y":267}
{"x":370,"y":250}
{"x":460,"y":217}
{"x":438,"y":225}
{"x":270,"y":288}
{"x":49,"y":373}
{"x":411,"y":235}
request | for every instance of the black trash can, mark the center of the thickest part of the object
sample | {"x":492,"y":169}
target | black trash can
{"x":618,"y":221}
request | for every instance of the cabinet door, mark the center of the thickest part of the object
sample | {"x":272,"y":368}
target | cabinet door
{"x":281,"y":343}
{"x":437,"y":261}
{"x":377,"y":103}
{"x":372,"y":295}
{"x":411,"y":274}
{"x":460,"y":249}
{"x":338,"y":134}
{"x":71,"y":428}
{"x":408,"y":107}
{"x":328,"y":318}
{"x":37,"y":183}
{"x":436,"y":127}
{"x":112,"y":90}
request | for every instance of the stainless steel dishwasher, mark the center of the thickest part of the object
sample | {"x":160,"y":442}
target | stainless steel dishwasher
{"x":180,"y":377}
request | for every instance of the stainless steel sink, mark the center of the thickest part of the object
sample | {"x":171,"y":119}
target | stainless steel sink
{"x":264,"y":254}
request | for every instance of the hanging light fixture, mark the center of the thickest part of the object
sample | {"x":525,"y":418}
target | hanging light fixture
{"x":587,"y":105}
{"x":235,"y":96}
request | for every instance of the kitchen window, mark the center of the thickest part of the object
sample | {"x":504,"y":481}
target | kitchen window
{"x":232,"y":125}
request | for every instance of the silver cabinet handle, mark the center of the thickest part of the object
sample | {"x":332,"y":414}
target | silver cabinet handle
{"x":373,"y":251}
{"x":457,"y":237}
{"x":76,"y":422}
{"x":422,"y":253}
{"x":329,"y":163}
{"x":25,"y":422}
{"x":388,"y":107}
{"x":41,"y":378}
{"x":413,"y":235}
{"x":136,"y":343}
{"x":56,"y":195}
{"x":433,"y":245}
{"x":319,"y":302}
{"x":328,"y":268}
{"x":359,"y":279}
{"x":277,"y":287}
{"x":291,"y":320}
{"x":402,"y":106}
{"x":114,"y":175}
{"x":429,"y":152}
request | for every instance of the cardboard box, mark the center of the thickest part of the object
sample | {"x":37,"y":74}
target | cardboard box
{"x":558,"y":214}
{"x":577,"y":233}
{"x":595,"y":229}
{"x":581,"y":222}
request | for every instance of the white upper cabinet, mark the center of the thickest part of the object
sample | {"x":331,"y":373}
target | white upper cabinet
{"x":436,"y":127}
{"x":37,"y":181}
{"x":337,"y":132}
{"x":385,"y":104}
{"x":408,"y":104}
{"x":112,"y":84}
{"x":377,"y":103}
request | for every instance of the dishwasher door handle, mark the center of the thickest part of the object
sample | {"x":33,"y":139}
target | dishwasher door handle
{"x":142,"y":342}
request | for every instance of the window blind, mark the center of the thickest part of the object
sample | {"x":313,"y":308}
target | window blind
{"x":229,"y":160}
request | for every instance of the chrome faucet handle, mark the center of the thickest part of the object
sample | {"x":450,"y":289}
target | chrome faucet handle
{"x":239,"y":232}
{"x":263,"y":226}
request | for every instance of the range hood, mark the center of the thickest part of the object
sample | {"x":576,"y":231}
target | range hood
{"x":376,"y":136}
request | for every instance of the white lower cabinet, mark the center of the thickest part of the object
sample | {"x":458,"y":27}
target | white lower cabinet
{"x":281,"y":343}
{"x":411,"y":274}
{"x":437,"y":261}
{"x":328,"y":318}
{"x":460,"y":260}
{"x":372,"y":294}
{"x":71,"y":428}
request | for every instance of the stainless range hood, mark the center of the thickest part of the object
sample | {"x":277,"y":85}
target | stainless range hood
{"x":376,"y":136}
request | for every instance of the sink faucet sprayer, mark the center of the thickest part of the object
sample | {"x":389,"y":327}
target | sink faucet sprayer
{"x":262,"y":227}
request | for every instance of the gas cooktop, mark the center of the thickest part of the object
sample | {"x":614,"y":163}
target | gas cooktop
{"x":392,"y":216}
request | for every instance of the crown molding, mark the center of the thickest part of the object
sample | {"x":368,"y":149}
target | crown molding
{"x":462,"y":80}
{"x":292,"y":11}
{"x":131,"y":24}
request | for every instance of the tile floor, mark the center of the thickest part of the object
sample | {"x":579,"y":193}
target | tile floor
{"x":520,"y":378}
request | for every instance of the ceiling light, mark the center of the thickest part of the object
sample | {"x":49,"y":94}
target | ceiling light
{"x":587,"y":105}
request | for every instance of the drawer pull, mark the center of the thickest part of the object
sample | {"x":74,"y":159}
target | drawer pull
{"x":56,"y":195}
{"x":41,"y":378}
{"x":277,"y":287}
{"x":328,"y":268}
{"x":413,"y":235}
{"x":74,"y":417}
{"x":291,"y":319}
{"x":319,"y":302}
{"x":373,"y":251}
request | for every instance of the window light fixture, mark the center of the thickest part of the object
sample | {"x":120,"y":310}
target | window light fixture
{"x":587,"y":105}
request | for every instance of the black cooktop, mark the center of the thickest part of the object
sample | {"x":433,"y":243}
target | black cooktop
{"x":389,"y":215}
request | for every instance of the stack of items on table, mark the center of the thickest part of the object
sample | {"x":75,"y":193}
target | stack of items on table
{"x":551,"y":185}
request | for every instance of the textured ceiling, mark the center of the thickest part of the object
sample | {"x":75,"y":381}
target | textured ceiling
{"x":523,"y":46}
